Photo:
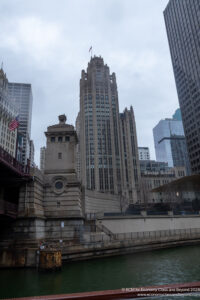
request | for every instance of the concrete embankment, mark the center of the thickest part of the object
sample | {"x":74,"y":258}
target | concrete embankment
{"x":153,"y":223}
{"x":123,"y":235}
{"x":112,"y":236}
{"x":129,"y":245}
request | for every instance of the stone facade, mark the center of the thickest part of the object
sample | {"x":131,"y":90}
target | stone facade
{"x":130,"y":158}
{"x":107,"y":156}
{"x":8,"y":112}
{"x":96,"y":202}
{"x":42,"y":158}
{"x":100,"y":155}
{"x":78,"y":161}
{"x":50,"y":204}
{"x":62,"y":188}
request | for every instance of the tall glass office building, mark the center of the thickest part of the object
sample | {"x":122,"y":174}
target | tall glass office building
{"x":182,"y":19}
{"x":170,"y":144}
{"x":21,"y":95}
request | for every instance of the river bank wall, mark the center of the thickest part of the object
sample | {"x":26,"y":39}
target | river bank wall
{"x":146,"y":223}
{"x":108,"y":237}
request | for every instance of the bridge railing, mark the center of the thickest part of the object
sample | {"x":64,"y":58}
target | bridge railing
{"x":151,"y":213}
{"x":10,"y":160}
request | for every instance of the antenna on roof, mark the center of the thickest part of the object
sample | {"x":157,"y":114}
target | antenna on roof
{"x":90,"y":50}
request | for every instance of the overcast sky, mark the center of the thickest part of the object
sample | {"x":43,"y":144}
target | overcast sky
{"x":46,"y":43}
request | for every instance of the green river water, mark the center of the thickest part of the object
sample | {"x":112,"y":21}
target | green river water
{"x":176,"y":265}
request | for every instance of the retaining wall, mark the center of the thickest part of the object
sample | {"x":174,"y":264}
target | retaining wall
{"x":145,"y":224}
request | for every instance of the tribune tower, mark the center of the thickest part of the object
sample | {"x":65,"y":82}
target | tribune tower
{"x":99,"y":131}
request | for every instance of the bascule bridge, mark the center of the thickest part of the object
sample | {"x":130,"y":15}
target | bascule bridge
{"x":13,"y":175}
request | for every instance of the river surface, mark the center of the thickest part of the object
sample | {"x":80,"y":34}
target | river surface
{"x":176,"y":265}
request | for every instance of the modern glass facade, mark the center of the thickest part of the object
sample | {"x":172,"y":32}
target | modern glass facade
{"x":21,"y":95}
{"x":177,"y":115}
{"x":182,"y":19}
{"x":170,"y":144}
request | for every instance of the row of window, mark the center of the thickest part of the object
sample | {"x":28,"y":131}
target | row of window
{"x":60,"y":139}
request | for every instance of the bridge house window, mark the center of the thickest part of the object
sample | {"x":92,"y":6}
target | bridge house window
{"x":67,"y":139}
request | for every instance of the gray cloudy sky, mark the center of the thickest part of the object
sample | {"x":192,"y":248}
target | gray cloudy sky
{"x":46,"y":43}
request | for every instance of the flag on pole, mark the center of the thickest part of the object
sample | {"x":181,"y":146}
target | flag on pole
{"x":90,"y":49}
{"x":14,"y":124}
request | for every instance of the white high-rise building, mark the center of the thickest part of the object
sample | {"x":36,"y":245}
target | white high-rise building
{"x":144,"y":153}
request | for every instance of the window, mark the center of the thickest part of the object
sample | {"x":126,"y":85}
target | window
{"x":59,"y":155}
{"x":59,"y":185}
{"x":53,"y":139}
{"x":60,"y":139}
{"x":67,"y":139}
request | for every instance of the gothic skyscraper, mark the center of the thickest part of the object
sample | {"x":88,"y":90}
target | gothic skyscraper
{"x":108,"y":143}
{"x":99,"y":130}
{"x":130,"y":158}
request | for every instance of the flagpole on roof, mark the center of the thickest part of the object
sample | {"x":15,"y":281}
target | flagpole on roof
{"x":90,"y":50}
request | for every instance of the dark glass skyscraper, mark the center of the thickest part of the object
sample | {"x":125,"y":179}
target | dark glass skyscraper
{"x":182,"y":19}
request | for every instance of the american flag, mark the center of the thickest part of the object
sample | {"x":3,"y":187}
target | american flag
{"x":14,"y":124}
